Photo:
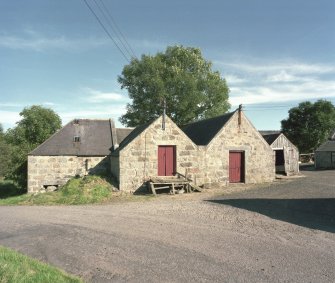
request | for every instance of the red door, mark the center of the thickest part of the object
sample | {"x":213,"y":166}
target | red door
{"x":236,"y":167}
{"x":166,"y":160}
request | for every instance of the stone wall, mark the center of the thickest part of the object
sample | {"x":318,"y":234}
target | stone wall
{"x":46,"y":171}
{"x":139,"y":159}
{"x":258,"y":155}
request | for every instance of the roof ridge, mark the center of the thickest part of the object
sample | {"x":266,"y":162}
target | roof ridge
{"x":208,"y":119}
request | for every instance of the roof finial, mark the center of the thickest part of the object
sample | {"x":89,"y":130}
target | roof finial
{"x":164,"y":113}
{"x":239,"y":114}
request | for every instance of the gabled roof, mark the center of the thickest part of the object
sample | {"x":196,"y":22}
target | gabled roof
{"x":95,"y":139}
{"x":327,"y":146}
{"x":131,"y":136}
{"x":270,"y":136}
{"x":122,"y":133}
{"x":202,"y":132}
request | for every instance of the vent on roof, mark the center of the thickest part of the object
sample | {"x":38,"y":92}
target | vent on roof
{"x":76,"y":138}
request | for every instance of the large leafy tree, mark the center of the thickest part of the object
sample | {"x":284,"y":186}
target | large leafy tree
{"x":37,"y":124}
{"x":4,"y":153}
{"x":182,"y":77}
{"x":309,"y":124}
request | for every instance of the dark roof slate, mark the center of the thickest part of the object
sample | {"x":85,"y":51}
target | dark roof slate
{"x":131,"y":136}
{"x":202,"y":132}
{"x":122,"y":133}
{"x":95,"y":139}
{"x":327,"y":146}
{"x":270,"y":138}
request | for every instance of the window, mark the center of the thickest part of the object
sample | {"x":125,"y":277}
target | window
{"x":76,"y":138}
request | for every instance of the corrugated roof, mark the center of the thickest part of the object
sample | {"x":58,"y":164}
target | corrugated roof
{"x":202,"y":132}
{"x":95,"y":139}
{"x":327,"y":146}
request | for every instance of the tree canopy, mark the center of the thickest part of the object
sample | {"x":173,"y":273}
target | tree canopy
{"x":4,"y":153}
{"x":37,"y":124}
{"x":309,"y":124}
{"x":182,"y":77}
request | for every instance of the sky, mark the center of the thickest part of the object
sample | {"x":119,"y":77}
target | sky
{"x":273,"y":54}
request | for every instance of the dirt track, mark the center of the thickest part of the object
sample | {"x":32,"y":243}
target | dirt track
{"x":281,"y":233}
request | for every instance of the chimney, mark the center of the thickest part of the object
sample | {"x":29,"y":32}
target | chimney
{"x":240,"y":114}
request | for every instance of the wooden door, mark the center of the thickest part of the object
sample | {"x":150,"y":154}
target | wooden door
{"x":166,"y":160}
{"x":236,"y":167}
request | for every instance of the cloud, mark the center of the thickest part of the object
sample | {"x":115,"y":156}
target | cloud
{"x":111,"y":112}
{"x":233,"y":79}
{"x":9,"y":118}
{"x":10,"y":104}
{"x":276,"y":66}
{"x":282,"y":93}
{"x":257,"y":81}
{"x":32,"y":40}
{"x":96,"y":96}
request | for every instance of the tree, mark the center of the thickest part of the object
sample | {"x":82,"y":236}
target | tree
{"x":192,"y":90}
{"x":309,"y":124}
{"x":37,"y":124}
{"x":4,"y":153}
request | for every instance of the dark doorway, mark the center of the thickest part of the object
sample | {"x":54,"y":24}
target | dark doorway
{"x":280,"y":161}
{"x":166,"y":160}
{"x":236,"y":167}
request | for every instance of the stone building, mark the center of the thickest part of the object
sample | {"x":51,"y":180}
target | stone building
{"x":214,"y":151}
{"x":80,"y":147}
{"x":233,"y":150}
{"x":325,"y":154}
{"x":156,"y":148}
{"x":286,"y":153}
{"x":221,"y":150}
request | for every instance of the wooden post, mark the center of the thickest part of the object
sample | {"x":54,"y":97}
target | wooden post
{"x":152,"y":188}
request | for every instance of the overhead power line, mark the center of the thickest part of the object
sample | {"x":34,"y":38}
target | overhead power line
{"x":106,"y":31}
{"x":118,"y":30}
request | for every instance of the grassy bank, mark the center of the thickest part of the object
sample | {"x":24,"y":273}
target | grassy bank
{"x":17,"y":268}
{"x":85,"y":190}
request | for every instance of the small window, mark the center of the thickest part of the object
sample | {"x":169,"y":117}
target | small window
{"x":76,"y":139}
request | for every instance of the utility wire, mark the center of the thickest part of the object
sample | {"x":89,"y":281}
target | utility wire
{"x":118,"y":30}
{"x":104,"y":28}
{"x":125,"y":48}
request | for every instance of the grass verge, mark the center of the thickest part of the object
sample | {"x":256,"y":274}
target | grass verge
{"x":17,"y":268}
{"x":86,"y":190}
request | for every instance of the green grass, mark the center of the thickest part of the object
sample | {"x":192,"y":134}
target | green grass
{"x":17,"y":268}
{"x":86,"y":190}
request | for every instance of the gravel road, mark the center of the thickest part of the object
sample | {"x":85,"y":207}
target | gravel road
{"x":283,"y":232}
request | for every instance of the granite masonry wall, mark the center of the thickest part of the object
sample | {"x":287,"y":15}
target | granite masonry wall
{"x":259,"y":163}
{"x":138,"y":161}
{"x":55,"y":171}
{"x":205,"y":165}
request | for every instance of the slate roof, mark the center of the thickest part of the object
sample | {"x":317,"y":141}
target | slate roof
{"x":95,"y":139}
{"x":131,"y":136}
{"x":122,"y":133}
{"x":270,"y":136}
{"x":327,"y":146}
{"x":202,"y":132}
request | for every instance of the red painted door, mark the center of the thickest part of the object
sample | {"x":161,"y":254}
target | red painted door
{"x":236,"y":167}
{"x":166,"y":160}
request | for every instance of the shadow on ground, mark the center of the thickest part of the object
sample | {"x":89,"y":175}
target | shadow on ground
{"x":9,"y":189}
{"x":311,"y":213}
